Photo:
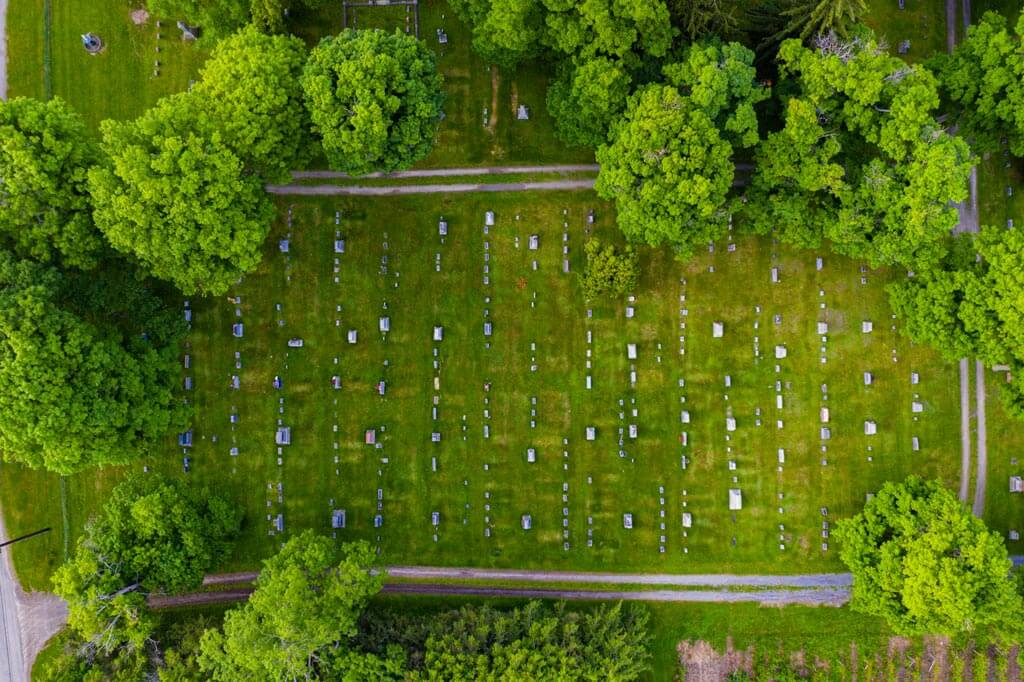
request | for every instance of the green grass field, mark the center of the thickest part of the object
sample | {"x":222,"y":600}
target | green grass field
{"x":119,"y":83}
{"x":486,"y":484}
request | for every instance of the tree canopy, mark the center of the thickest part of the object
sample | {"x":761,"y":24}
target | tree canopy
{"x":155,"y":535}
{"x":927,"y":565}
{"x":538,"y":643}
{"x":860,"y":160}
{"x":807,"y":18}
{"x":304,"y":610}
{"x":970,"y":306}
{"x":984,"y":78}
{"x":609,"y":272}
{"x":250,"y":87}
{"x":668,"y":164}
{"x":45,"y":155}
{"x":507,"y":32}
{"x":177,"y":197}
{"x":79,"y":388}
{"x":586,"y":98}
{"x":374,"y":98}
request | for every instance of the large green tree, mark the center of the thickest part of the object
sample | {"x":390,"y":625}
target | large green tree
{"x":375,"y":99}
{"x":984,"y":78}
{"x":300,"y":618}
{"x":45,"y":155}
{"x":83,"y":384}
{"x":928,"y":566}
{"x":668,"y":164}
{"x":972,"y":304}
{"x":176,"y":196}
{"x":630,"y":30}
{"x":860,"y":159}
{"x":587,"y":98}
{"x":505,"y":32}
{"x":155,"y":535}
{"x":250,"y":86}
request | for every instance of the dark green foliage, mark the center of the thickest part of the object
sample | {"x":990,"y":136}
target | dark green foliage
{"x":808,"y":18}
{"x":505,"y":32}
{"x":927,"y":565}
{"x":177,"y":196}
{"x":79,"y":385}
{"x":861,"y":160}
{"x":984,"y":78}
{"x":972,"y":307}
{"x":608,"y":272}
{"x":668,"y":164}
{"x":375,"y":100}
{"x":586,"y":98}
{"x":538,"y":643}
{"x":45,"y":155}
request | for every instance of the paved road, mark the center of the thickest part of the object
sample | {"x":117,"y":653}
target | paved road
{"x":965,"y":430}
{"x":454,"y":172}
{"x":12,"y":661}
{"x":339,"y":190}
{"x":979,"y":482}
{"x":821,"y":597}
{"x":809,"y":580}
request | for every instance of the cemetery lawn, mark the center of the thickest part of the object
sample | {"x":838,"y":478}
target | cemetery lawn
{"x":119,"y":82}
{"x":600,"y":485}
{"x":922,"y":22}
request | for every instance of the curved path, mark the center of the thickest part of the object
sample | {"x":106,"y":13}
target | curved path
{"x":455,"y":188}
{"x":822,"y":597}
{"x":453,"y":172}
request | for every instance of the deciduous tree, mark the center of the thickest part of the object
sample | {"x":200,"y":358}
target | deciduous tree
{"x":302,"y":614}
{"x":45,"y":155}
{"x":984,"y":78}
{"x":669,"y":164}
{"x":250,"y":86}
{"x":155,"y":535}
{"x":609,"y":272}
{"x":586,"y":98}
{"x":78,"y":389}
{"x":177,"y":197}
{"x":375,"y":100}
{"x":927,"y":565}
{"x":860,"y":160}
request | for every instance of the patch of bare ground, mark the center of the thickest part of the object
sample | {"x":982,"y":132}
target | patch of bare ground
{"x":139,"y":17}
{"x":898,"y":659}
{"x":701,"y":662}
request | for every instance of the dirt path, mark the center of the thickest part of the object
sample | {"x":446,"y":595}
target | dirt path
{"x":809,"y":580}
{"x":454,"y":172}
{"x":822,"y":597}
{"x":677,"y":580}
{"x":982,"y":477}
{"x":457,"y":188}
